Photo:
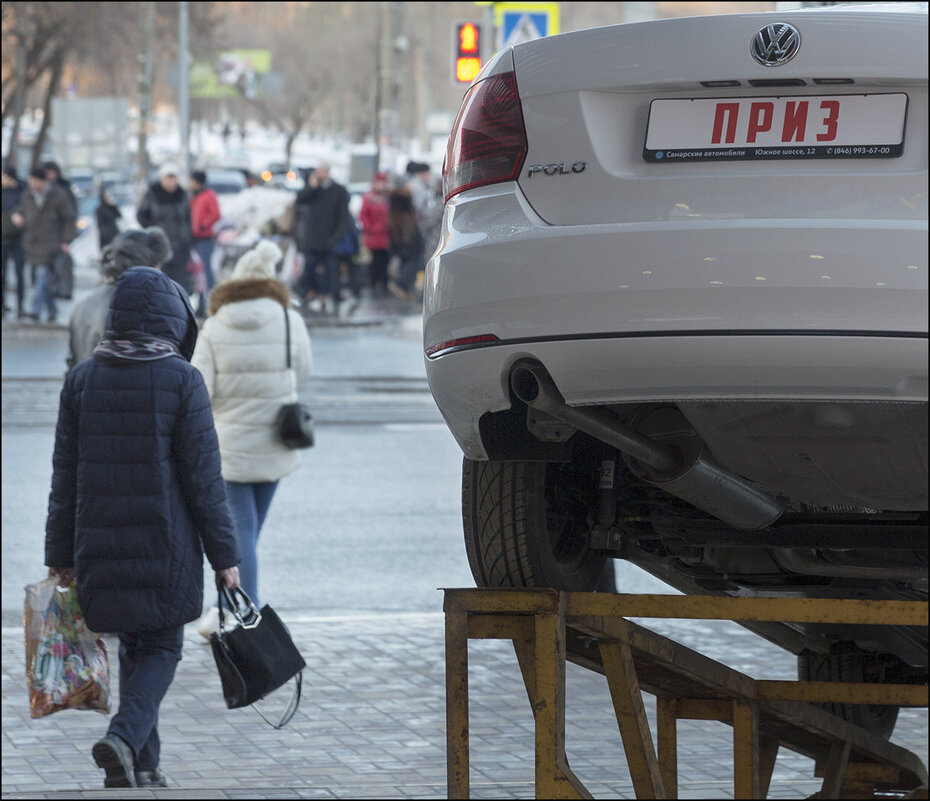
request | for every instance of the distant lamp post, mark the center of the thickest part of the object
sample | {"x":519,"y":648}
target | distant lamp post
{"x":184,"y":104}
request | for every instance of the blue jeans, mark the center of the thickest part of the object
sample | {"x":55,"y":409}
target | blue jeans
{"x":249,"y":505}
{"x":147,"y":663}
{"x":330,"y":284}
{"x":42,"y":295}
{"x":204,"y":248}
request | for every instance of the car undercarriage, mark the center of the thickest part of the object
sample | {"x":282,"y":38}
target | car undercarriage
{"x":554,"y":502}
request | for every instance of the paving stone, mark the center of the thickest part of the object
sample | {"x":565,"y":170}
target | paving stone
{"x":372,"y":725}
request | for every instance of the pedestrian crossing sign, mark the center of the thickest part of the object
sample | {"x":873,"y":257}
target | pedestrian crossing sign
{"x":523,"y":22}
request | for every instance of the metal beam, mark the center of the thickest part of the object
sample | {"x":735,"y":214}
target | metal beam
{"x":703,"y":607}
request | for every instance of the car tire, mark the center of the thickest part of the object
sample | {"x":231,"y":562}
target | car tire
{"x":845,"y":662}
{"x":527,"y":524}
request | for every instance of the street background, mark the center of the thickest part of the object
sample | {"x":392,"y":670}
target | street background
{"x":359,"y":540}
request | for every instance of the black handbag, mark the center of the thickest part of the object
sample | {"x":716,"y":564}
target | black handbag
{"x":295,"y":423}
{"x":62,"y":276}
{"x":256,"y":656}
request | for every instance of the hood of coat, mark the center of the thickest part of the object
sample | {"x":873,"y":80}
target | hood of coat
{"x":147,"y":301}
{"x":229,"y":301}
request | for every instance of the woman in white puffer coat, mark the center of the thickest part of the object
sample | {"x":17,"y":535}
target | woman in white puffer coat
{"x":241,"y":351}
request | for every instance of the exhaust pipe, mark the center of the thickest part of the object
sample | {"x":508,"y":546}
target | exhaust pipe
{"x":684,"y":469}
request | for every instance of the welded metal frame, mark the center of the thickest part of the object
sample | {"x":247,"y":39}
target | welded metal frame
{"x":547,"y":627}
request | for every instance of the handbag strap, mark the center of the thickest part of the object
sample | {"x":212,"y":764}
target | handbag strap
{"x":291,"y":707}
{"x":287,"y":331}
{"x":232,"y":602}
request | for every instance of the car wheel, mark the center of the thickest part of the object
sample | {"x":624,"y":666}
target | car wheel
{"x":528,"y":524}
{"x":845,"y":662}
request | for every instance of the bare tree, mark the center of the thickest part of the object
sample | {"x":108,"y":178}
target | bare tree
{"x":89,"y":42}
{"x":35,"y":32}
{"x":325,"y":55}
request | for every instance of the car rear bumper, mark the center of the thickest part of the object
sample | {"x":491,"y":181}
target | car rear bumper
{"x":502,"y":270}
{"x":612,"y":370}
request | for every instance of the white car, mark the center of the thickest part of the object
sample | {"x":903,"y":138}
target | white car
{"x":678,"y":315}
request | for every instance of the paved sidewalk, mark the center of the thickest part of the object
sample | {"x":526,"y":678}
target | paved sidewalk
{"x":372,"y":723}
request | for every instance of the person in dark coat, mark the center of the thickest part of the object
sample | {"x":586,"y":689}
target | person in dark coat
{"x":48,"y":222}
{"x":137,"y":496}
{"x":166,"y":205}
{"x":107,"y":214}
{"x":53,"y":176}
{"x":321,"y":220}
{"x":13,"y":190}
{"x":406,"y":241}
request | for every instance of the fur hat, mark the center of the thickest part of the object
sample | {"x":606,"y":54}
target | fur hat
{"x":168,"y":168}
{"x":259,"y":262}
{"x":135,"y":248}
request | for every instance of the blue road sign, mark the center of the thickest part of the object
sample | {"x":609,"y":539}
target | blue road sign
{"x":524,"y":26}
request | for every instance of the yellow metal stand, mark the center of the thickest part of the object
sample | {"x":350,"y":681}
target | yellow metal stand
{"x":548,"y":627}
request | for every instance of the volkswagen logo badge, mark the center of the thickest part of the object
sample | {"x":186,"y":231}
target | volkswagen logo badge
{"x":775,"y":44}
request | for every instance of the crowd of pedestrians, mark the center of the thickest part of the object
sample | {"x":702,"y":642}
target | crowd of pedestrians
{"x":382,"y":251}
{"x":397,"y":226}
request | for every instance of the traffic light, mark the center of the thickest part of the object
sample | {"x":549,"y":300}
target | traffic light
{"x":467,"y":49}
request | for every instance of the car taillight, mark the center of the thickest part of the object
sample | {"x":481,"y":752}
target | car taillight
{"x":488,"y":141}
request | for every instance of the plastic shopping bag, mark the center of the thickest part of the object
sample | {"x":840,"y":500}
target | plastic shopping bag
{"x":66,"y":664}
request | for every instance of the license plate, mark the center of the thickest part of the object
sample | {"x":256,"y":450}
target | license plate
{"x":750,"y":128}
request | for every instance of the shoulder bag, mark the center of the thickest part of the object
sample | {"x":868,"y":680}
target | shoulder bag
{"x":295,"y":423}
{"x":256,"y":656}
{"x":62,"y":276}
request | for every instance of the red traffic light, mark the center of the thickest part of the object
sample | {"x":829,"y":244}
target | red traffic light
{"x":466,"y":63}
{"x":469,"y":38}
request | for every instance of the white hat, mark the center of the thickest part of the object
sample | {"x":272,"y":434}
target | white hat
{"x":259,"y":262}
{"x":168,"y":168}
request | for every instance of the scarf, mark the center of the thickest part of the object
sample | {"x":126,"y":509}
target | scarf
{"x":134,"y":346}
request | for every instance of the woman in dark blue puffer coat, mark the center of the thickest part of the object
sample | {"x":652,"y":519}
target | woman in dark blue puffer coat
{"x":137,"y":497}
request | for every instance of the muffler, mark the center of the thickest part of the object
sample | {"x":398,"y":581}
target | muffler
{"x":680,"y":466}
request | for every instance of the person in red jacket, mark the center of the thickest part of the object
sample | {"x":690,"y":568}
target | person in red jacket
{"x":374,"y":221}
{"x":205,"y":213}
